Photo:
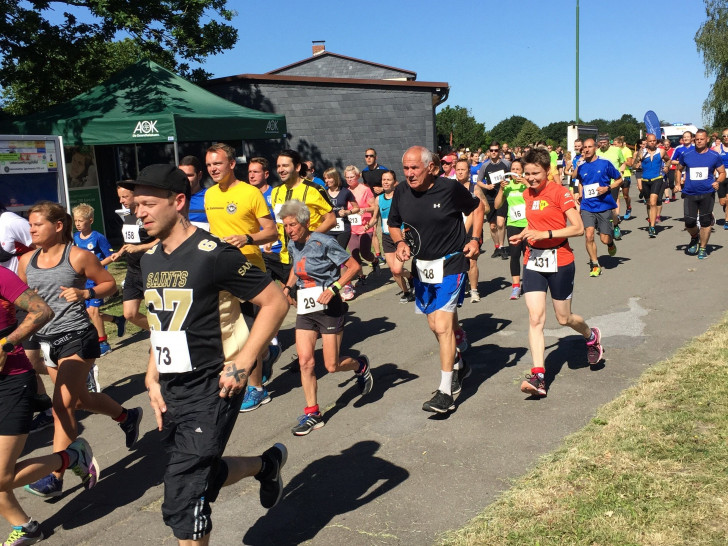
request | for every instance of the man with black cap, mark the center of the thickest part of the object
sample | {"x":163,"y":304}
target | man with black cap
{"x":202,"y":353}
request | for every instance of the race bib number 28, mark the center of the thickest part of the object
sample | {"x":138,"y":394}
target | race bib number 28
{"x":430,"y":271}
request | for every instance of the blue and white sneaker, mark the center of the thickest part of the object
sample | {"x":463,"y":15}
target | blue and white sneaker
{"x":105,"y":347}
{"x":86,"y":466}
{"x":253,"y":399}
{"x":48,"y":486}
{"x":274,"y":353}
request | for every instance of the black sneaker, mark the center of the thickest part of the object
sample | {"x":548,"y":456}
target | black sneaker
{"x":440,"y":403}
{"x":365,"y":379}
{"x":307,"y":423}
{"x":131,"y":426}
{"x":496,"y":253}
{"x":271,"y":483}
{"x":505,"y":253}
{"x":459,"y":375}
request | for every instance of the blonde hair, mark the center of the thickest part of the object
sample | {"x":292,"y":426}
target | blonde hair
{"x":333,"y":173}
{"x":352,"y":168}
{"x":83,"y":210}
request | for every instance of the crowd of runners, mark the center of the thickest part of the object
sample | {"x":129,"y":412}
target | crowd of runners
{"x":218,"y":268}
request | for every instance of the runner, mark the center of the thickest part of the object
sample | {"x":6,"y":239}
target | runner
{"x":626,"y":174}
{"x":598,"y":178}
{"x":490,"y":176}
{"x":722,"y":150}
{"x":511,"y":192}
{"x":382,"y":205}
{"x":200,"y":358}
{"x":431,"y":210}
{"x":17,"y":390}
{"x":614,"y":155}
{"x":317,"y":261}
{"x":58,"y":272}
{"x":549,"y":264}
{"x":344,"y":205}
{"x":360,"y":243}
{"x":462,"y":177}
{"x":700,"y":165}
{"x":652,"y":160}
{"x":372,"y":177}
{"x":192,"y":167}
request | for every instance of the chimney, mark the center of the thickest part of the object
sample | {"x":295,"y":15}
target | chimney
{"x":318,"y":46}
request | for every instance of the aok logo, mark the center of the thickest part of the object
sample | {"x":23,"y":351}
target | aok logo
{"x":145,"y":129}
{"x":272,"y":126}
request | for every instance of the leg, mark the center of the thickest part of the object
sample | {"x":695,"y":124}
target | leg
{"x":95,"y":316}
{"x":536,"y":304}
{"x":305,"y":347}
{"x":562,"y":308}
{"x":132,"y":314}
{"x":652,"y":209}
{"x":473,"y":274}
{"x":333,"y":362}
{"x":396,"y":268}
{"x":501,"y":228}
{"x":627,"y":199}
{"x":591,"y":247}
{"x":442,"y":324}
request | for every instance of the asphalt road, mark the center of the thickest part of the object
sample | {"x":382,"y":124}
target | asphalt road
{"x":382,"y":471}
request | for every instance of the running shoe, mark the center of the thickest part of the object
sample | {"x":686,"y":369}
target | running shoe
{"x":41,"y":421}
{"x":595,"y":271}
{"x":48,"y":486}
{"x":347,"y":293}
{"x":534,"y":384}
{"x":364,"y":378}
{"x":86,"y":466}
{"x":407,"y":297}
{"x":628,"y":214}
{"x":440,"y":403}
{"x":617,"y":233}
{"x":725,"y":226}
{"x":120,"y":326}
{"x":30,"y":533}
{"x":594,"y":349}
{"x":307,"y":423}
{"x":505,"y":253}
{"x":612,"y":249}
{"x":474,"y":296}
{"x":253,"y":399}
{"x":693,"y":246}
{"x":361,"y":281}
{"x":131,"y":426}
{"x":515,"y":292}
{"x":382,"y":261}
{"x":702,"y":253}
{"x":459,"y":375}
{"x":274,"y":353}
{"x":496,"y":253}
{"x":104,"y":347}
{"x":461,"y":340}
{"x":92,"y":379}
{"x":651,"y":232}
{"x":271,"y":483}
{"x":375,"y":266}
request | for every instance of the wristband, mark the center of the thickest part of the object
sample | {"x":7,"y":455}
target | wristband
{"x":289,"y":288}
{"x":248,"y":240}
{"x":337,"y":285}
{"x":91,"y":294}
{"x":334,"y":289}
{"x":476,"y":239}
{"x":6,"y":346}
{"x":551,"y":235}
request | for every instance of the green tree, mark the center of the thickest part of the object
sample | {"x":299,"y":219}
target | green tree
{"x":506,"y":130}
{"x":712,"y":41}
{"x":466,"y":131}
{"x":529,"y":134}
{"x":556,"y":131}
{"x":44,"y":62}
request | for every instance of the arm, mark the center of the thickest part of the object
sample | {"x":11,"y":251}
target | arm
{"x":575,"y":229}
{"x":499,"y":198}
{"x":38,"y":314}
{"x":327,"y":223}
{"x":154,"y":390}
{"x":721,"y":177}
{"x":402,"y":249}
{"x":678,"y":176}
{"x":352,"y":270}
{"x":266,"y":234}
{"x":375,"y":215}
{"x":89,"y":266}
{"x":472,"y":248}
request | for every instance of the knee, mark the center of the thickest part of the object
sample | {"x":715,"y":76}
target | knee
{"x":563,"y":319}
{"x":307,"y":363}
{"x":331,"y":365}
{"x":589,"y":235}
{"x":706,"y":220}
{"x":690,"y":223}
{"x":537,"y":320}
{"x":130,"y":314}
{"x":93,"y":312}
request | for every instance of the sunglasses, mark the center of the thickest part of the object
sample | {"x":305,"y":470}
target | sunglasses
{"x":369,"y":155}
{"x":494,"y":150}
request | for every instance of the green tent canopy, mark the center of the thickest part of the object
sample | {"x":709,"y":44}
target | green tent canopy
{"x":148,"y":103}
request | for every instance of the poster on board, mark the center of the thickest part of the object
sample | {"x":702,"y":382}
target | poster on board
{"x":83,"y":182}
{"x":31,"y":169}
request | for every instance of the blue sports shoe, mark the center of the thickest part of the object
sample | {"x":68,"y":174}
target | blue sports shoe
{"x":49,"y":486}
{"x":274,"y":353}
{"x":253,"y":399}
{"x":105,"y":347}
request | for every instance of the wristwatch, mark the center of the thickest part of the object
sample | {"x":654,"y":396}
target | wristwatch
{"x":6,"y":345}
{"x":91,"y":294}
{"x":248,"y":239}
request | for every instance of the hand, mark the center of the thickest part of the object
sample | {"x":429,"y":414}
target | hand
{"x":532,"y":235}
{"x":115,"y":256}
{"x":472,"y":249}
{"x":232,"y":380}
{"x":378,"y":190}
{"x":71,"y":294}
{"x":236,"y":240}
{"x":503,"y":184}
{"x":325,"y":297}
{"x":489,"y":186}
{"x":403,"y":252}
{"x":341,"y":213}
{"x":715,"y":185}
{"x":157,"y":402}
{"x":601,"y":190}
{"x":677,"y":187}
{"x":268,"y":247}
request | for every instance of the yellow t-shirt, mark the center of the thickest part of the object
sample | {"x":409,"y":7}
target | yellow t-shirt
{"x":309,"y":193}
{"x":627,"y":153}
{"x":236,"y":212}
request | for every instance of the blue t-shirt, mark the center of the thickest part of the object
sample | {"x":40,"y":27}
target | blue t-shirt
{"x":317,"y":262}
{"x":575,"y":161}
{"x":384,"y":207}
{"x":699,"y":170}
{"x":679,"y":151}
{"x":95,"y":243}
{"x":474,"y":173}
{"x":197,"y":207}
{"x":275,"y":247}
{"x":723,"y":153}
{"x":598,"y":171}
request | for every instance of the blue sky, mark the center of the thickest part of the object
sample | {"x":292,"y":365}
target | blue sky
{"x":500,"y":58}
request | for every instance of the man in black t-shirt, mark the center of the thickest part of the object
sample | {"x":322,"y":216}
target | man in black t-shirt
{"x":490,"y":175}
{"x":202,"y":352}
{"x":426,"y":221}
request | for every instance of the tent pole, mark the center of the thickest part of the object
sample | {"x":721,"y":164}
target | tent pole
{"x":136,"y":160}
{"x":176,"y":153}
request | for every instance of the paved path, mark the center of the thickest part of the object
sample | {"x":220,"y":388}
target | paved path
{"x":382,"y":471}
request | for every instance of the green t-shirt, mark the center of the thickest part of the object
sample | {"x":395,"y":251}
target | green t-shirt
{"x":554,"y":158}
{"x":613,"y":155}
{"x":627,"y":153}
{"x":513,"y":194}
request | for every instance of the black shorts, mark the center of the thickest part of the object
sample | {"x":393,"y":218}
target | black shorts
{"x":277,"y":269}
{"x":560,"y":284}
{"x":626,"y":181}
{"x":329,"y":321}
{"x":698,"y":206}
{"x":133,"y":285}
{"x":84,"y":343}
{"x":16,"y":403}
{"x":654,"y":186}
{"x":195,"y":435}
{"x":491,"y":217}
{"x":387,"y":244}
{"x":723,"y":189}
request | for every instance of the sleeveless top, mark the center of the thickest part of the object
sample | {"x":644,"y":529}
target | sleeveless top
{"x":68,"y":316}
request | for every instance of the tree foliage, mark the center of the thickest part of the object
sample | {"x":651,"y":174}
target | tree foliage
{"x":48,"y":58}
{"x":529,"y":134}
{"x":712,"y":41}
{"x":507,"y":130}
{"x":556,"y":132}
{"x":466,"y":131}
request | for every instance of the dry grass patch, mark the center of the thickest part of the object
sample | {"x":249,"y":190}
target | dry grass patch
{"x":651,"y":468}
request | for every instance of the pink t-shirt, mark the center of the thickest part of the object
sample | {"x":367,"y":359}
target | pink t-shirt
{"x":363,"y":196}
{"x":11,"y":287}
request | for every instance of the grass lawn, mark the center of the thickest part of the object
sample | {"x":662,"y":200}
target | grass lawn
{"x":651,"y":468}
{"x":113,"y":305}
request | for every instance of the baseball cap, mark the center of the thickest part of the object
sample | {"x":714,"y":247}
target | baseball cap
{"x":160,"y":175}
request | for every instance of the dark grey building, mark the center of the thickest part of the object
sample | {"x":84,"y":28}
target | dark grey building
{"x":337,"y":106}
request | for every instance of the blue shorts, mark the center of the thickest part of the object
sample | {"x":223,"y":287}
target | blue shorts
{"x":443,"y":296}
{"x":96,"y":302}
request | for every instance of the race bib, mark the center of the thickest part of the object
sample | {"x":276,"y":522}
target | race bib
{"x":385,"y":227}
{"x":45,"y":348}
{"x":590,"y":191}
{"x":201,"y":225}
{"x":277,"y":211}
{"x":130,"y":233}
{"x":308,"y":300}
{"x":698,"y":173}
{"x":355,"y":219}
{"x":517,"y":212}
{"x":543,"y":260}
{"x":430,"y":271}
{"x":171,"y":354}
{"x":339,"y":225}
{"x":497,"y":177}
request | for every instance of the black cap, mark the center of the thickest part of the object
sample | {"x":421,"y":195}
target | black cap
{"x":161,"y":175}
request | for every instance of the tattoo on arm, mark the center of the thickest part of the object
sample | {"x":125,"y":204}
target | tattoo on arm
{"x":239,"y":375}
{"x":38,"y":314}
